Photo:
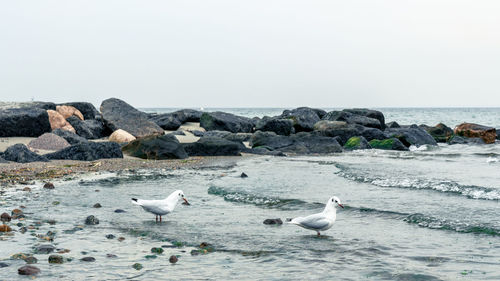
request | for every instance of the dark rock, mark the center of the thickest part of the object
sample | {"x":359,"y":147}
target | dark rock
{"x":167,"y":121}
{"x":21,"y":154}
{"x":88,"y":129}
{"x":198,"y":133}
{"x":273,"y":221}
{"x":91,"y":220}
{"x":343,"y":131}
{"x":137,"y":266}
{"x":5,"y":217}
{"x":156,"y":147}
{"x":223,"y":121}
{"x":173,"y":259}
{"x":351,"y":118}
{"x":440,"y":132}
{"x":303,"y":118}
{"x":56,"y":259}
{"x":177,"y":133}
{"x":370,"y":113}
{"x":262,"y":150}
{"x":24,"y":122}
{"x":393,"y":124}
{"x":2,"y":264}
{"x":87,"y":109}
{"x":110,"y":236}
{"x":111,"y":256}
{"x":88,"y":151}
{"x":3,"y":160}
{"x":70,"y":137}
{"x":120,"y":211}
{"x":274,"y":124}
{"x":388,"y":144}
{"x":213,"y":146}
{"x":44,"y":249}
{"x":157,"y":250}
{"x":97,"y":205}
{"x":270,"y":140}
{"x":462,"y":140}
{"x":412,"y":135}
{"x":238,"y":137}
{"x":243,"y":175}
{"x":31,"y":260}
{"x":217,"y":134}
{"x":355,"y":143}
{"x":48,"y":185}
{"x":300,"y":143}
{"x":118,"y":114}
{"x":28,"y":270}
{"x":471,"y":130}
{"x":88,"y":259}
{"x":189,"y":115}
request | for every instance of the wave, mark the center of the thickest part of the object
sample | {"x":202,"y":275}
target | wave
{"x":447,"y":186}
{"x":123,"y":179}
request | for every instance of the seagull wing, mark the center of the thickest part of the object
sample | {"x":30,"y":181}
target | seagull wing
{"x":314,"y":222}
{"x":153,"y":206}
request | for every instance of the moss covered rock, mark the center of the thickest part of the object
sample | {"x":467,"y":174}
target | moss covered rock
{"x":357,"y":143}
{"x":388,"y":144}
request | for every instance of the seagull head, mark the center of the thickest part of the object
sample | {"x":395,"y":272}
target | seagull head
{"x":334,"y":201}
{"x":180,"y":195}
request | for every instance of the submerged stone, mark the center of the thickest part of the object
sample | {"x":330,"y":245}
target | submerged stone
{"x":273,"y":221}
{"x":91,"y":220}
{"x":173,"y":259}
{"x":137,"y":266}
{"x":28,"y":270}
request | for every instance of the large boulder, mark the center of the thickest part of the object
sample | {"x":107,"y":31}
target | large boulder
{"x":269,"y":140}
{"x":156,"y":147}
{"x":33,"y":104}
{"x":352,"y":118}
{"x":300,"y":143}
{"x":118,"y":114}
{"x":89,"y":129}
{"x":21,"y":154}
{"x":275,"y":124}
{"x":388,"y":144}
{"x":88,"y":151}
{"x":57,"y":121}
{"x":167,"y":121}
{"x":343,"y":131}
{"x":392,"y":124}
{"x":369,"y":113}
{"x":188,"y":115}
{"x":471,"y":130}
{"x":48,"y":141}
{"x":226,"y":122}
{"x":68,"y":110}
{"x":412,"y":135}
{"x":355,"y":143}
{"x":463,"y":140}
{"x":24,"y":122}
{"x":70,"y":137}
{"x":213,"y":146}
{"x":121,"y":136}
{"x":440,"y":132}
{"x":87,"y":109}
{"x":303,"y":118}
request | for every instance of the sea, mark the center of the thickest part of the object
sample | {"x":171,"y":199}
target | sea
{"x":431,"y":213}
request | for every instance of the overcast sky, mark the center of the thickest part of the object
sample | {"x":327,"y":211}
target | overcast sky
{"x":255,"y":53}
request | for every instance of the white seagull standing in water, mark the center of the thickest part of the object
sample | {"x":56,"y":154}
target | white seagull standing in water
{"x":161,"y":207}
{"x":320,"y":221}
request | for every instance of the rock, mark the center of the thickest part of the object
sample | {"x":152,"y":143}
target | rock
{"x":167,"y":121}
{"x":89,"y":151}
{"x":3,"y":160}
{"x":173,"y":259}
{"x":264,"y":151}
{"x":57,"y":121}
{"x":392,"y":124}
{"x":118,"y":114}
{"x":388,"y":144}
{"x":243,"y":175}
{"x":110,"y":236}
{"x":56,"y":259}
{"x":226,"y":122}
{"x":351,"y":118}
{"x":88,"y":129}
{"x":86,"y":109}
{"x":97,"y":205}
{"x":269,"y":140}
{"x":48,"y":185}
{"x":121,"y":239}
{"x":370,"y":113}
{"x":5,"y":228}
{"x":91,"y":220}
{"x":67,"y":111}
{"x":303,"y":118}
{"x":88,"y":259}
{"x":31,"y":260}
{"x":28,"y":270}
{"x":16,"y":212}
{"x":343,"y":131}
{"x":300,"y":143}
{"x":2,"y":264}
{"x":177,"y":133}
{"x":198,"y":133}
{"x":21,"y":154}
{"x":212,"y":146}
{"x":277,"y":125}
{"x":111,"y":256}
{"x":32,"y":104}
{"x":121,"y":136}
{"x":70,"y":137}
{"x":440,"y":132}
{"x":156,"y":147}
{"x":273,"y":221}
{"x":24,"y":122}
{"x":157,"y":250}
{"x":137,"y":266}
{"x":471,"y":130}
{"x":461,"y":140}
{"x":5,"y":217}
{"x":119,"y":211}
{"x":48,"y":141}
{"x":355,"y":143}
{"x":412,"y":135}
{"x":44,"y":249}
{"x":217,"y":134}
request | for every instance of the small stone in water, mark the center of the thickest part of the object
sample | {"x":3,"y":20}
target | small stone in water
{"x":27,"y":189}
{"x":28,"y":270}
{"x":49,"y":185}
{"x":97,"y":205}
{"x":5,"y":217}
{"x":120,"y":211}
{"x":121,"y":239}
{"x":91,"y":220}
{"x":273,"y":221}
{"x":111,"y":256}
{"x":88,"y":259}
{"x":56,"y":259}
{"x":30,"y":260}
{"x":110,"y":236}
{"x":55,"y":203}
{"x":243,"y":175}
{"x":173,"y":259}
{"x":2,"y":264}
{"x":150,"y":256}
{"x":44,"y":249}
{"x":5,"y":228}
{"x":51,"y":222}
{"x":137,"y":266}
{"x":156,"y":250}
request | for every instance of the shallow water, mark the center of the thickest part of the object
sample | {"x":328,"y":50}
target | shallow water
{"x":426,"y":214}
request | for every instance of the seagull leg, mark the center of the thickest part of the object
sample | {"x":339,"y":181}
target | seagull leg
{"x":156,"y":218}
{"x":318,"y":233}
{"x":160,"y":218}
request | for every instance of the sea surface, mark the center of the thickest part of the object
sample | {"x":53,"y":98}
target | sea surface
{"x":431,"y":213}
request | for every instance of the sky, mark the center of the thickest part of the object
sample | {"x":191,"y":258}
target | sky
{"x":272,"y":53}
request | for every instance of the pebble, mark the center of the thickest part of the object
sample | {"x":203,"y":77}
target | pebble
{"x":56,"y":259}
{"x":137,"y":266}
{"x":173,"y":259}
{"x":48,"y":185}
{"x":5,"y":228}
{"x":44,"y":249}
{"x":27,"y":189}
{"x":273,"y":221}
{"x":120,"y":211}
{"x":31,"y":260}
{"x":88,"y":259}
{"x":243,"y":175}
{"x":110,"y":236}
{"x":111,"y":256}
{"x":51,"y":222}
{"x":5,"y":217}
{"x":121,"y":239}
{"x":97,"y":205}
{"x":156,"y":250}
{"x":2,"y":264}
{"x":91,"y":220}
{"x":28,"y":270}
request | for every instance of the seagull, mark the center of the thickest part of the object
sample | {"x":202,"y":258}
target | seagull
{"x":320,"y":221}
{"x":161,"y":207}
